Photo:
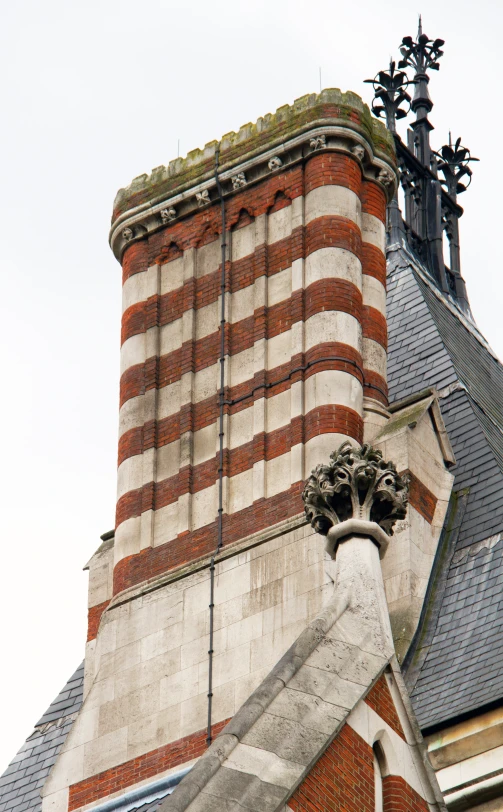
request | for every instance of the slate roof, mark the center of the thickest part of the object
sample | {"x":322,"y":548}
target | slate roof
{"x":456,"y":662}
{"x":23,"y":779}
{"x":153,"y":806}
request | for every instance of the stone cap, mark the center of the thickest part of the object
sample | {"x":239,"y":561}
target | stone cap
{"x":331,"y":106}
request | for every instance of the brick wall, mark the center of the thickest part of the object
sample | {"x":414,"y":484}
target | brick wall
{"x":342,"y":779}
{"x":398,"y":796}
{"x":379,"y":699}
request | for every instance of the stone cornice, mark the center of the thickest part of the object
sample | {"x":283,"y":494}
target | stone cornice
{"x":332,"y":121}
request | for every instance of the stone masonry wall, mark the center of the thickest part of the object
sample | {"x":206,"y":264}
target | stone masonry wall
{"x":147,"y":695}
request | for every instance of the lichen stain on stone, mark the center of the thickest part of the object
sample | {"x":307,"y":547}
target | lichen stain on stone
{"x":199,"y":163}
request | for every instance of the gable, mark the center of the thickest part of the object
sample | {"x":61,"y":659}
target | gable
{"x":343,"y":778}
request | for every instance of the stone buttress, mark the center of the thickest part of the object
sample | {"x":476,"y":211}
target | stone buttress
{"x":331,"y":726}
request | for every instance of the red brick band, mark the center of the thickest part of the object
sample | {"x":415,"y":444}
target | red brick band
{"x":398,"y":796}
{"x":373,"y":200}
{"x":380,"y":700}
{"x":140,"y":768}
{"x":336,"y":295}
{"x":374,"y":326}
{"x":267,"y":383}
{"x":333,"y":231}
{"x":135,"y":259}
{"x":93,"y":619}
{"x":375,"y":386}
{"x":373,"y":262}
{"x":333,"y":169}
{"x":421,"y":498}
{"x":329,"y":419}
{"x":189,"y":546}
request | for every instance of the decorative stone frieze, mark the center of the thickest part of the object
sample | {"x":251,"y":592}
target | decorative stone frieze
{"x":331,"y":121}
{"x":167,"y":215}
{"x":239,"y":180}
{"x":275,"y":163}
{"x":357,"y":484}
{"x":318,"y":142}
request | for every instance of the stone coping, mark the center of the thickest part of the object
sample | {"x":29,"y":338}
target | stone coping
{"x":272,"y":128}
{"x":331,"y":120}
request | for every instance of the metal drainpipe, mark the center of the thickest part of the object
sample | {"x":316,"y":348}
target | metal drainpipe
{"x":221,"y":406}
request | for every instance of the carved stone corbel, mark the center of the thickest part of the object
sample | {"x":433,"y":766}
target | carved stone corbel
{"x":357,"y":489}
{"x":203,"y":198}
{"x":239,"y":180}
{"x":385,"y":177}
{"x":167,"y":215}
{"x":275,"y":163}
{"x":318,"y":142}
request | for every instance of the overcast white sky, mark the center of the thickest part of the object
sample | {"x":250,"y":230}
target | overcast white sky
{"x":93,"y":94}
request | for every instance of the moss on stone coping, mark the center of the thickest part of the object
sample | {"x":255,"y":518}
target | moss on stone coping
{"x":346,"y":108}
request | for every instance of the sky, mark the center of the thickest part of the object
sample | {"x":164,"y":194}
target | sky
{"x":94,"y":94}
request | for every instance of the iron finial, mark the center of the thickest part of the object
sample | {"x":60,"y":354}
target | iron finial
{"x":452,"y":162}
{"x":390,"y":95}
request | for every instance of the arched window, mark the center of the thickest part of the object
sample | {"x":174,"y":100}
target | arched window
{"x":379,"y":772}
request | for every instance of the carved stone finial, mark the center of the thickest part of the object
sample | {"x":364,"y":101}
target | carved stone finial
{"x":203,"y":198}
{"x":357,"y":484}
{"x":318,"y":142}
{"x":239,"y":180}
{"x":275,"y":163}
{"x":128,"y":234}
{"x":168,"y":214}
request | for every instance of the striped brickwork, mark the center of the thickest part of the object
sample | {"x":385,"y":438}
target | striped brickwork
{"x":305,"y":338}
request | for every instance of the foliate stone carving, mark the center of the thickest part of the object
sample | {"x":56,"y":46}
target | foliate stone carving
{"x":318,"y":142}
{"x":203,"y":198}
{"x":275,"y":163}
{"x":359,"y":152}
{"x":239,"y":180}
{"x":356,"y":484}
{"x":385,"y":177}
{"x":127,"y":233}
{"x":168,"y":214}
